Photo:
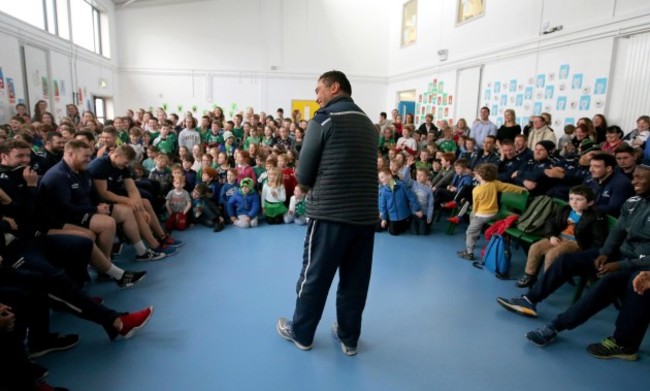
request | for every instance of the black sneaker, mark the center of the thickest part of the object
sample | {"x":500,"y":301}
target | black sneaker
{"x":526,"y":281}
{"x":542,"y":336}
{"x":130,"y":278}
{"x":38,"y":372}
{"x":56,"y":342}
{"x":608,"y":348}
{"x":520,"y":305}
{"x":149,"y":255}
{"x":103,"y":277}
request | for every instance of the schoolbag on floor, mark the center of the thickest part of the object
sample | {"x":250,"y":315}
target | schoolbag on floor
{"x":496,"y":257}
{"x":533,"y":220}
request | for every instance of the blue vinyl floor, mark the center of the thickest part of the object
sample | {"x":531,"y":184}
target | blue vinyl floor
{"x":431,"y":323}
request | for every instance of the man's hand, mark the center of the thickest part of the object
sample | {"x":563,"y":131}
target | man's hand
{"x":554,"y":241}
{"x":11,"y":222}
{"x":600,"y":261}
{"x":641,"y":282}
{"x":608,"y":268}
{"x":103,"y":209}
{"x":4,"y":198}
{"x":529,"y":185}
{"x":7,"y":318}
{"x":384,"y":223}
{"x":31,"y":177}
{"x":419,"y":214}
{"x":135,"y":204}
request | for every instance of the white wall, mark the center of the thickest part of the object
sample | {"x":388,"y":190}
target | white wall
{"x":507,"y":44}
{"x":72,"y":67}
{"x":259,"y":53}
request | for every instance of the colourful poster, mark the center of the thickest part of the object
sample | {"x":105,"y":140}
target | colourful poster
{"x":2,"y":80}
{"x":529,"y":93}
{"x":561,"y":103}
{"x":541,"y":81}
{"x":451,"y":100}
{"x":56,"y":89}
{"x":564,"y":71}
{"x":46,"y":88}
{"x":12,"y":91}
{"x":599,"y":89}
{"x":513,"y":85}
{"x":585,"y":101}
{"x":577,"y":82}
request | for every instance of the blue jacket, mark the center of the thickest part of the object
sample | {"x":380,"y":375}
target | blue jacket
{"x":397,"y":204}
{"x":458,"y":181}
{"x":240,"y":204}
{"x":612,"y":193}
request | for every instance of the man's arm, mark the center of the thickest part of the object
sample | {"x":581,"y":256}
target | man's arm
{"x":101,"y":185}
{"x":312,"y":148}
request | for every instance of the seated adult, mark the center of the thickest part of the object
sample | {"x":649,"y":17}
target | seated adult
{"x":115,"y":185}
{"x":521,"y":148}
{"x":509,"y":162}
{"x":67,"y":187}
{"x":50,"y":154}
{"x":616,"y":264}
{"x":569,"y":172}
{"x":487,"y":155}
{"x":107,"y":141}
{"x":625,"y":160}
{"x":611,"y":187}
{"x":531,"y":174}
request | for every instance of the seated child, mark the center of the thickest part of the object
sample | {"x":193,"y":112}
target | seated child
{"x":424,"y":194}
{"x":460,"y":188}
{"x":574,"y":227}
{"x":244,"y":169}
{"x":134,"y":142}
{"x":228,"y":189}
{"x":190,"y":175}
{"x":205,"y":211}
{"x":244,"y":205}
{"x":297,"y":206}
{"x":484,"y":198}
{"x":162,"y":174}
{"x":273,"y":197}
{"x":150,"y":162}
{"x":177,"y":205}
{"x":396,"y":203}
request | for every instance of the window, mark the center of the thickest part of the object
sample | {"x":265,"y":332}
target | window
{"x":83,"y":30}
{"x":100,"y":109}
{"x":30,"y":11}
{"x":62,"y":19}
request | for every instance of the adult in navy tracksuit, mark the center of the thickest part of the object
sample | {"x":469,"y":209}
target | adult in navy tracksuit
{"x":509,"y":163}
{"x":396,"y":203}
{"x":531,"y":174}
{"x":338,"y":161}
{"x":610,"y":187}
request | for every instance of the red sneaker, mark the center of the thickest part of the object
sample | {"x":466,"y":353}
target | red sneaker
{"x":134,"y":321}
{"x":450,"y":205}
{"x":454,"y":220}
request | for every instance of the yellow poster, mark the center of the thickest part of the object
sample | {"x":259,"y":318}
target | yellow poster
{"x":307,"y":108}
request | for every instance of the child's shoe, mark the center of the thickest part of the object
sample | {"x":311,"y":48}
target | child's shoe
{"x":449,"y":205}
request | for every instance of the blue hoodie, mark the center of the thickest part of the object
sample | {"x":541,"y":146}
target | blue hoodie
{"x":397,"y":204}
{"x":240,"y":204}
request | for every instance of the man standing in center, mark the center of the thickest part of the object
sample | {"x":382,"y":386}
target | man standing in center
{"x":338,"y":162}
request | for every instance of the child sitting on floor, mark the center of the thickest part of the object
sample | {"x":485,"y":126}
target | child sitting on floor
{"x":297,"y":207}
{"x":273,"y":197}
{"x":244,"y":205}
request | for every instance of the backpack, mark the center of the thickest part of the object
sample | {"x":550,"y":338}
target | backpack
{"x":533,"y":220}
{"x":496,"y":256}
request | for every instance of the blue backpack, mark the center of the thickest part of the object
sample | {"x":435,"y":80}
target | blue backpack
{"x":496,"y":257}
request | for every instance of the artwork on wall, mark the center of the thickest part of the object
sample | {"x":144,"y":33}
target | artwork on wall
{"x":409,"y":23}
{"x":558,"y":91}
{"x":2,"y":80}
{"x":11,"y":89}
{"x":468,"y":10}
{"x":434,"y":100}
